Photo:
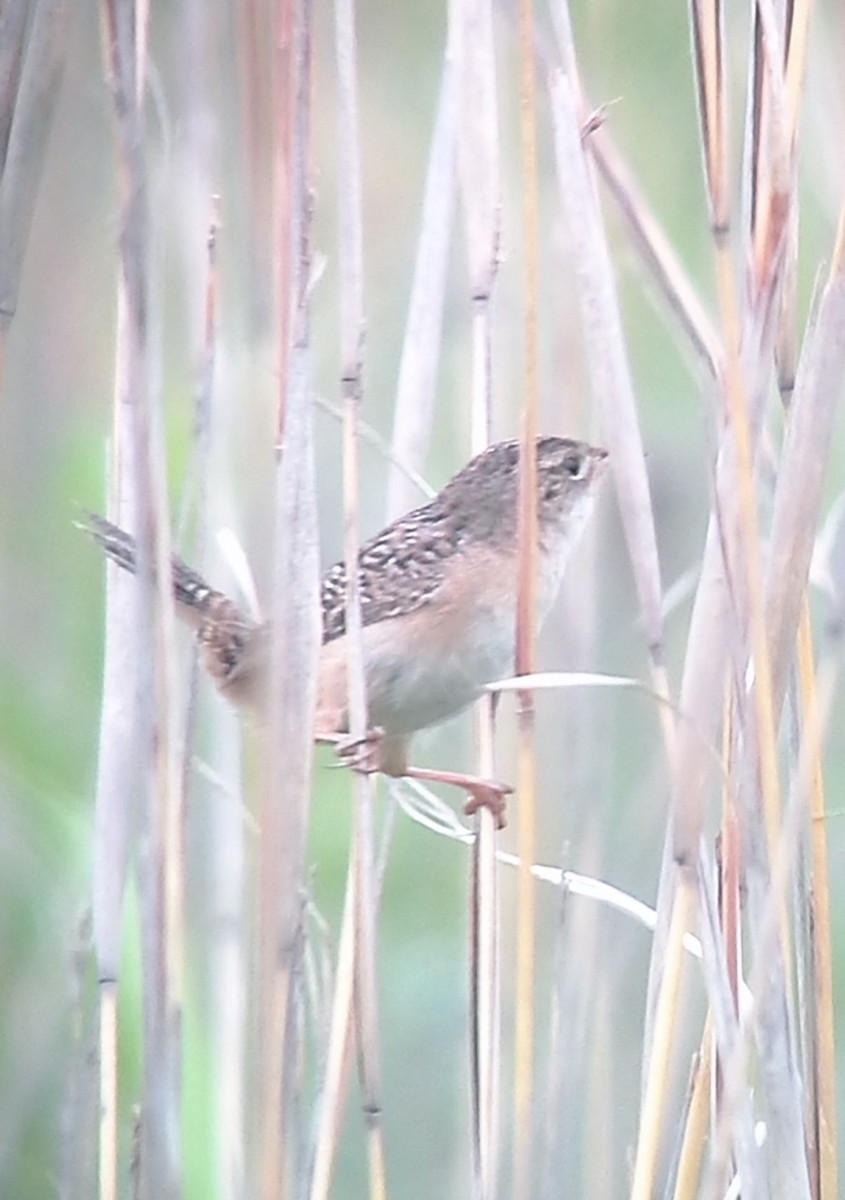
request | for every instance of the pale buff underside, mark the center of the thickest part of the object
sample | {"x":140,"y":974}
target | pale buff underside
{"x":422,"y":667}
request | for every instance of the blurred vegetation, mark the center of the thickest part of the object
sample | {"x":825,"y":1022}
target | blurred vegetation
{"x":54,"y":421}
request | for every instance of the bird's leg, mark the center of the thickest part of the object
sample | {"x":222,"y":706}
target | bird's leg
{"x":483,"y":793}
{"x":376,"y":751}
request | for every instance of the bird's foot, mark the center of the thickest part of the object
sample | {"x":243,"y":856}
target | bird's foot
{"x":359,"y":754}
{"x":377,"y":752}
{"x":483,"y":793}
{"x":489,"y":794}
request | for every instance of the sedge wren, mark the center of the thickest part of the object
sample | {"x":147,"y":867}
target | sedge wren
{"x":438,"y":591}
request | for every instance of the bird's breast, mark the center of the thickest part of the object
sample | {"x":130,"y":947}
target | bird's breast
{"x":420,"y":672}
{"x":425,"y":665}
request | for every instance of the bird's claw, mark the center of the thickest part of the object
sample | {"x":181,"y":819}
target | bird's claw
{"x":489,"y":794}
{"x":361,"y":753}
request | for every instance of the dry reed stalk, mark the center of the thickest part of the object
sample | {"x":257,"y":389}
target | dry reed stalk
{"x":485,"y":976}
{"x":823,"y":1079}
{"x":260,"y":60}
{"x":770,"y":203}
{"x":710,"y":55}
{"x":733,"y":1136}
{"x":803,"y":782}
{"x":648,"y":238}
{"x":728,"y":862}
{"x":796,"y":507}
{"x":275,"y":982}
{"x":137,"y":482}
{"x":109,"y":1134}
{"x":706,"y":655}
{"x":804,"y":798}
{"x":794,"y":522}
{"x":33,"y":44}
{"x":717,"y":641}
{"x":707,"y":41}
{"x":573,"y":1045}
{"x":77,"y":1170}
{"x":666,"y":1013}
{"x":610,"y":375}
{"x":116,"y":814}
{"x":227,"y":958}
{"x":728,"y":865}
{"x":747,"y":334}
{"x":412,"y":417}
{"x":204,"y":505}
{"x":523,"y":1174}
{"x":231,"y":981}
{"x":612,"y":386}
{"x":787,"y":1168}
{"x":775,"y":99}
{"x":284,"y":85}
{"x":804,"y":455}
{"x":656,"y":252}
{"x":416,"y":387}
{"x":362,"y":861}
{"x":13,"y":22}
{"x":796,"y":26}
{"x":473,"y":51}
{"x":331,"y":1099}
{"x":729,"y":858}
{"x":335,"y":1081}
{"x":202,"y":450}
{"x":287,"y":744}
{"x":688,"y":1174}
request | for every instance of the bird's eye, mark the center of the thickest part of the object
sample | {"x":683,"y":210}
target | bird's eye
{"x":574,"y":464}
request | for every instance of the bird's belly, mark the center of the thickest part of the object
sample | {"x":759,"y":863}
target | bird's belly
{"x":425,"y":680}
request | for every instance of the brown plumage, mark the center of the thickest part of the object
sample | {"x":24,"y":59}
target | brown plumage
{"x":438,"y":596}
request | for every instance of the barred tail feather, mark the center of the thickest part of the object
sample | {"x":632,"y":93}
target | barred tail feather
{"x":233,"y":648}
{"x":189,"y":588}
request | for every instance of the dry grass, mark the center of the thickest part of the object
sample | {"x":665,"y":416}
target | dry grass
{"x":741,"y":967}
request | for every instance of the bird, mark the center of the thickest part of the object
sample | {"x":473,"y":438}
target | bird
{"x":438,"y":594}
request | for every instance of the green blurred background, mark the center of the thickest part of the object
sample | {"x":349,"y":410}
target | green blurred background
{"x":602,"y":787}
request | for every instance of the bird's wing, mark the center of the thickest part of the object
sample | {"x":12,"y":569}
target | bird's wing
{"x":399,"y":570}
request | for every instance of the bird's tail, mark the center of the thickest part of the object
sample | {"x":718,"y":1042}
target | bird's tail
{"x":190,"y":590}
{"x":232,"y":646}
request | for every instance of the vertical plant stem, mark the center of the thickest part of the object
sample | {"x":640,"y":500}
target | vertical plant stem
{"x":351,"y":265}
{"x":416,"y":388}
{"x":612,"y":385}
{"x":525,"y":628}
{"x":125,"y":30}
{"x":33,"y":47}
{"x":744,"y":331}
{"x":738,"y":414}
{"x":485,"y":975}
{"x":284,"y":92}
{"x":484,"y":907}
{"x":335,"y":1080}
{"x":288,"y":730}
{"x":651,"y":1119}
{"x":695,"y":1130}
{"x":108,"y":1091}
{"x":709,"y":40}
{"x":473,"y":48}
{"x":274,"y":978}
{"x":116,"y":811}
{"x":825,"y":1049}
